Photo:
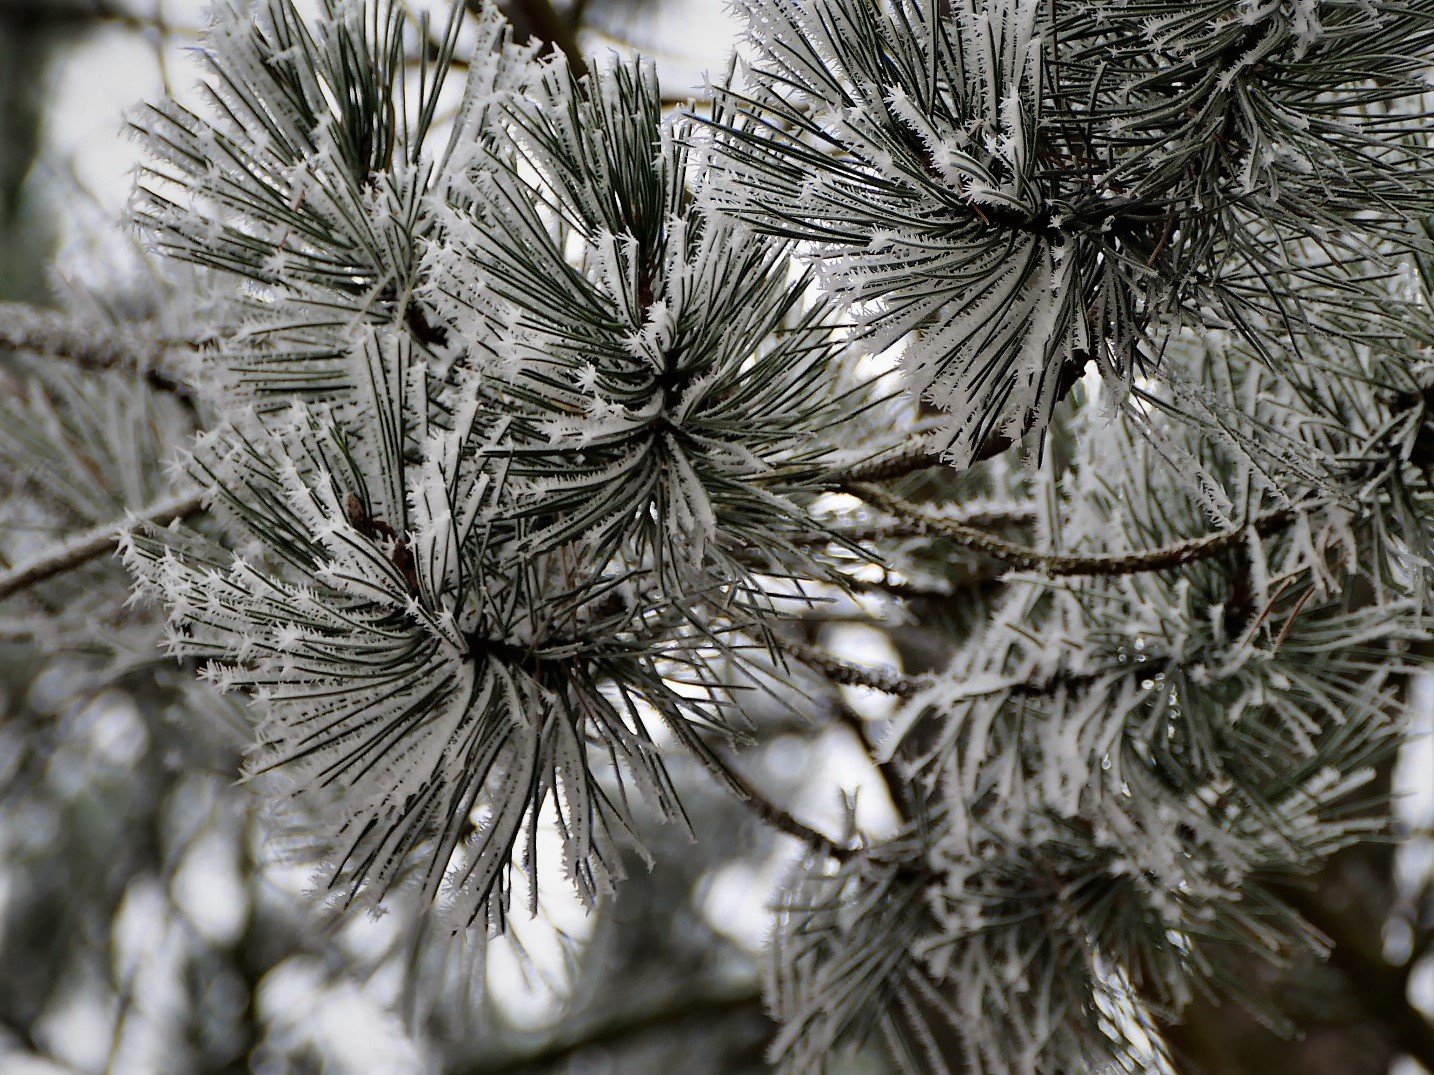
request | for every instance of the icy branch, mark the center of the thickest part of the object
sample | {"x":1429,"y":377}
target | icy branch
{"x":905,"y":460}
{"x":1024,"y":558}
{"x":850,"y":674}
{"x":95,"y":348}
{"x":918,"y":454}
{"x":914,"y":456}
{"x":776,"y":817}
{"x":92,"y":544}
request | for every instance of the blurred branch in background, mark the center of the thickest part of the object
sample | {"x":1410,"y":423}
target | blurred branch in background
{"x":28,"y":34}
{"x":34,"y":34}
{"x":539,"y":20}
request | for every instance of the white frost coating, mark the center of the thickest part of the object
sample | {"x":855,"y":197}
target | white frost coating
{"x":499,"y":419}
{"x":975,"y":280}
{"x":1081,"y":746}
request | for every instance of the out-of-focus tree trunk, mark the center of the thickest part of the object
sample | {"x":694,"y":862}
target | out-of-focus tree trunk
{"x":1350,"y":1015}
{"x":26,"y":234}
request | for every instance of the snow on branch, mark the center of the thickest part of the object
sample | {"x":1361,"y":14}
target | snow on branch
{"x":89,"y":546}
{"x":524,"y":444}
{"x":1025,"y":558}
{"x":89,"y":345}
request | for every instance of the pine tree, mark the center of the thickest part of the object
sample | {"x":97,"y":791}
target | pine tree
{"x":537,"y":422}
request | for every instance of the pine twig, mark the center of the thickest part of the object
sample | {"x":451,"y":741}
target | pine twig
{"x":897,"y":786}
{"x":620,"y":1029}
{"x":94,"y":348}
{"x":850,"y":674}
{"x":1024,"y":558}
{"x":916,"y":455}
{"x":92,"y":544}
{"x":898,"y":463}
{"x":875,"y":530}
{"x":776,"y":817}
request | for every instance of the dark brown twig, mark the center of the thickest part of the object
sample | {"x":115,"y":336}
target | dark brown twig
{"x":1024,"y":558}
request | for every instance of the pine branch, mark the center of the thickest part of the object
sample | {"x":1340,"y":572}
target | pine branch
{"x":53,"y":335}
{"x":869,"y":531}
{"x":776,"y":817}
{"x":898,"y":463}
{"x":622,"y":1028}
{"x":850,"y":674}
{"x":898,"y":788}
{"x":92,"y":544}
{"x":1024,"y":558}
{"x":887,"y":681}
{"x":917,"y":455}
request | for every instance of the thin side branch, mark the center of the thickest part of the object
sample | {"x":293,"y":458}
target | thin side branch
{"x":850,"y":674}
{"x":918,"y":455}
{"x":898,"y":463}
{"x":53,"y":335}
{"x":776,"y":817}
{"x":897,"y":786}
{"x":1025,"y":558}
{"x":876,"y":530}
{"x":92,"y":544}
{"x":622,"y":1028}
